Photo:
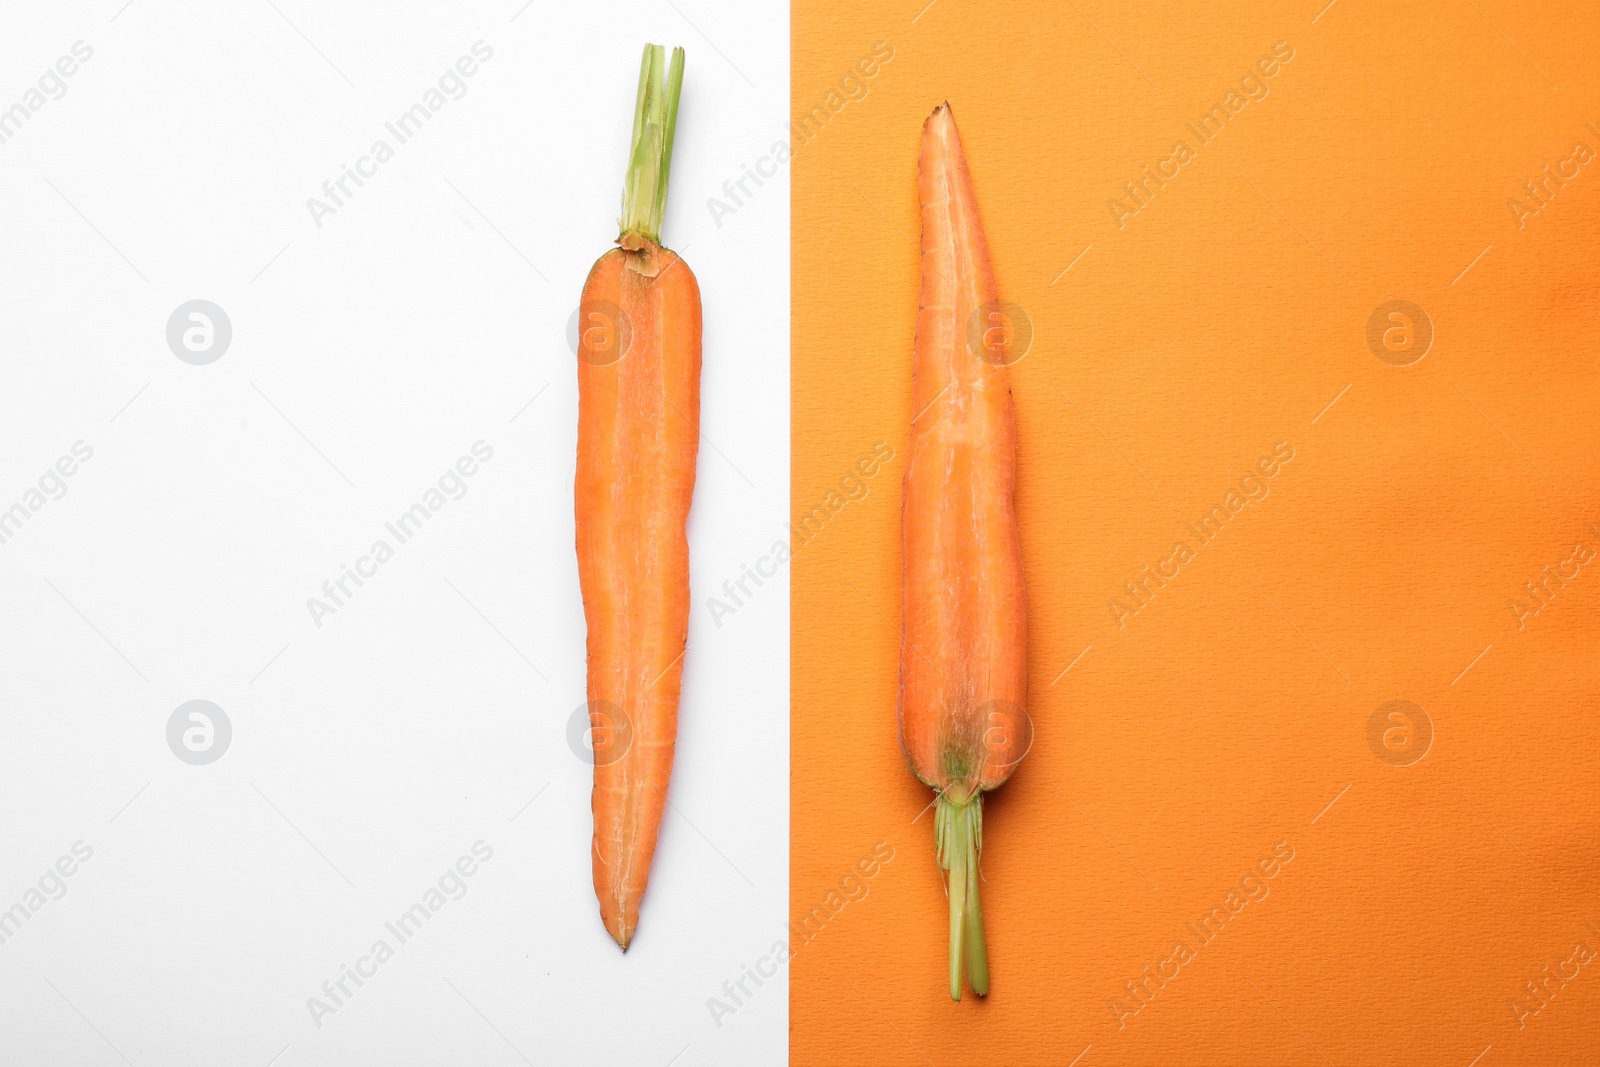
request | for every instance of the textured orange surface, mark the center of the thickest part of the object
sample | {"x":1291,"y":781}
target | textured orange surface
{"x":1380,"y":517}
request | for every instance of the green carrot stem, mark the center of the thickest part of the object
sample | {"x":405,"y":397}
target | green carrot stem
{"x":655,"y":118}
{"x":958,"y":837}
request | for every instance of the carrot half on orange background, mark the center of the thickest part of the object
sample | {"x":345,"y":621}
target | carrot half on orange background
{"x":638,"y":436}
{"x":963,"y":677}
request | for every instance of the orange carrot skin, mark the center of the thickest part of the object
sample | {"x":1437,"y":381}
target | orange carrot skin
{"x":963,"y":677}
{"x":638,"y":439}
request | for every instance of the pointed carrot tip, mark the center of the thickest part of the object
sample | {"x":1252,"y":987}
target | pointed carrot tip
{"x":941,"y":121}
{"x":621,"y":933}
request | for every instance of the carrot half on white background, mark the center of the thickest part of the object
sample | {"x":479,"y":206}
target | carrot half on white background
{"x":638,"y":438}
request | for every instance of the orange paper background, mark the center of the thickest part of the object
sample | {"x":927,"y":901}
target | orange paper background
{"x":1232,"y":710}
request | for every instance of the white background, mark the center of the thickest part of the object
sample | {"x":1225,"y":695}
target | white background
{"x":367,"y":356}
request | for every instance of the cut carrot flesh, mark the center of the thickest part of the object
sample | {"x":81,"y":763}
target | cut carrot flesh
{"x":963,"y":677}
{"x":638,"y":437}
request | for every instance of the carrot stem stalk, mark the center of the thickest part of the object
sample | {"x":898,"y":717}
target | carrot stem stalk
{"x":958,"y":837}
{"x":655,"y":120}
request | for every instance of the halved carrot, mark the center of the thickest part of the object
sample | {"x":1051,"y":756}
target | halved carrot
{"x":638,"y":436}
{"x":963,"y":678}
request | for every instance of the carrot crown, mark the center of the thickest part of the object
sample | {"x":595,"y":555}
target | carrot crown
{"x":655,"y":116}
